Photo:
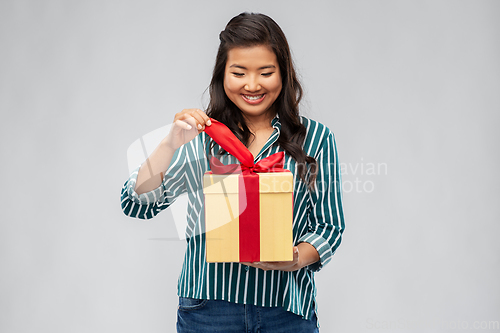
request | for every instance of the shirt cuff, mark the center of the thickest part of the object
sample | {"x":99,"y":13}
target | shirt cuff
{"x":322,"y":246}
{"x":154,"y":196}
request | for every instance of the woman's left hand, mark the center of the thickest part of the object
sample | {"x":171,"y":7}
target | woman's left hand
{"x":308,"y":256}
{"x":287,"y":266}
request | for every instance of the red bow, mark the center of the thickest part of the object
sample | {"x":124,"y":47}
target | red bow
{"x":230,"y":143}
{"x":273,"y":163}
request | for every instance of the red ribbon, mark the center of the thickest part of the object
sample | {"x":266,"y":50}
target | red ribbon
{"x":249,"y":219}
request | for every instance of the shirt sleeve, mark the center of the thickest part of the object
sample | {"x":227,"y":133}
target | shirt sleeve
{"x":326,"y":217}
{"x":148,"y":205}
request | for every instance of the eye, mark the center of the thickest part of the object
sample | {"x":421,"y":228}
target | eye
{"x":267,"y":74}
{"x":238,"y":74}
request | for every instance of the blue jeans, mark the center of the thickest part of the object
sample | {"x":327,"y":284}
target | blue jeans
{"x":207,"y":316}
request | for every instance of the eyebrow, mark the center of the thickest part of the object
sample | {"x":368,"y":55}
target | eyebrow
{"x":263,"y":67}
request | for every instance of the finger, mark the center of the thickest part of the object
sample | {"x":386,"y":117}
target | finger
{"x":249,"y":264}
{"x":206,"y":118}
{"x":185,"y":124}
{"x":190,"y":120}
{"x":201,"y":119}
{"x":295,"y":254}
{"x":184,"y":114}
{"x":262,"y":266}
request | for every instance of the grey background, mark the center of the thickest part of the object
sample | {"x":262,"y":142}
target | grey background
{"x":411,"y":85}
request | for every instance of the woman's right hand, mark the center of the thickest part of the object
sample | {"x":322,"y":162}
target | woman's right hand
{"x":187,"y":125}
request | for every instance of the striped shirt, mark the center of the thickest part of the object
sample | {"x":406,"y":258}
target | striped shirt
{"x":317,"y":219}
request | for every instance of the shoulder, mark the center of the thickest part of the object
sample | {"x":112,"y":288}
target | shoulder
{"x":317,"y":135}
{"x":315,"y":128}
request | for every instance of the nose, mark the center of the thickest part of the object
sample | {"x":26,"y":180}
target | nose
{"x":252,"y":84}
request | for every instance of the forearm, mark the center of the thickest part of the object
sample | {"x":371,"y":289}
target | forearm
{"x":307,"y":255}
{"x":151,"y":171}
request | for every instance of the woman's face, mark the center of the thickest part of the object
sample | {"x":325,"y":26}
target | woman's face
{"x":252,"y":79}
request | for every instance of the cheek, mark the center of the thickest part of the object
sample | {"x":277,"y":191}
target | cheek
{"x":275,"y":85}
{"x":230,"y":86}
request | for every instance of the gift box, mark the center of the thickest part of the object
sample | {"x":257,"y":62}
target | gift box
{"x":248,"y":207}
{"x":267,"y":236}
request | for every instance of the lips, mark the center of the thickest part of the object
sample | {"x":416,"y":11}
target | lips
{"x":253,"y":99}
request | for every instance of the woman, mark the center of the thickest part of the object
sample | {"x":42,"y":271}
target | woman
{"x":255,"y":92}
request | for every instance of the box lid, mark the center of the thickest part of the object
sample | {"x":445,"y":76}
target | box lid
{"x":271,"y":182}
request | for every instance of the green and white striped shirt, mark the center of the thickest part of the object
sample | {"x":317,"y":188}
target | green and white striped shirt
{"x":318,"y":220}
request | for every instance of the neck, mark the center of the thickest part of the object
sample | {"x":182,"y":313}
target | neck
{"x":260,"y":122}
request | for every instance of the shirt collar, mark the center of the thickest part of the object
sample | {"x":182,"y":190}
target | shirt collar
{"x":275,"y":123}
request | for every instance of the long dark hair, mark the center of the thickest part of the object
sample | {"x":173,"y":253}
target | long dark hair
{"x":251,"y":29}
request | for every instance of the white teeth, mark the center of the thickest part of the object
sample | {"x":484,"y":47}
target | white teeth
{"x":253,"y":98}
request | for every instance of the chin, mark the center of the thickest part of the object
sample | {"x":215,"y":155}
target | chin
{"x":254,"y":112}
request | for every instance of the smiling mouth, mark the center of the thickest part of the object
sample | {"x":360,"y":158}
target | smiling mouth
{"x":253,"y":99}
